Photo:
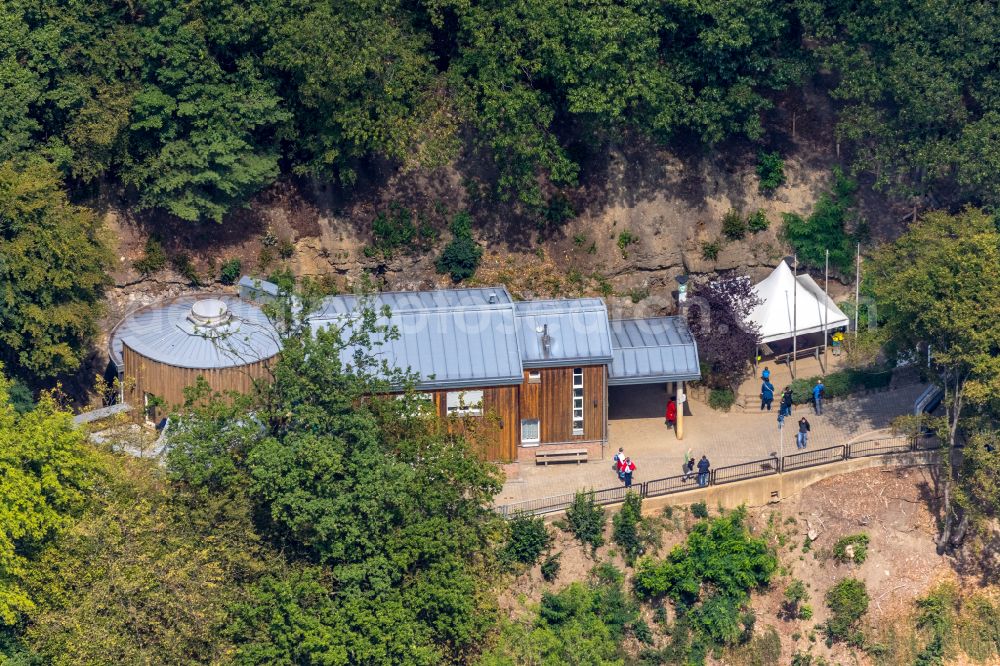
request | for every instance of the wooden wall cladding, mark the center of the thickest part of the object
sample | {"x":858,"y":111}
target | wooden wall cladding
{"x":551,"y":402}
{"x":497,"y":433}
{"x":168,"y":381}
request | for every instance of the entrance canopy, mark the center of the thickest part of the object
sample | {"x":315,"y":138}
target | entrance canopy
{"x":782,"y":294}
{"x":649,"y":351}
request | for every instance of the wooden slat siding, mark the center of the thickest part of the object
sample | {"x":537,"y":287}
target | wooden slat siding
{"x":499,"y":436}
{"x":168,"y":381}
{"x":554,"y":405}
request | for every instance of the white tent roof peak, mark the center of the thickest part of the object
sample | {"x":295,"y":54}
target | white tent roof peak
{"x":814,"y":310}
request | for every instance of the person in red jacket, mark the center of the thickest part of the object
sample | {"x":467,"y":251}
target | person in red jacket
{"x":671,"y":420}
{"x":625,"y":469}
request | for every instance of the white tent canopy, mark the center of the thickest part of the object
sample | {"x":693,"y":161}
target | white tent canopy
{"x":814,"y":310}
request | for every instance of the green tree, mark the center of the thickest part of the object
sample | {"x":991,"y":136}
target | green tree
{"x":45,"y":472}
{"x":583,"y":623}
{"x":390,"y":508}
{"x":918,"y":83}
{"x":361,"y":80}
{"x":937,"y":286}
{"x":197,"y":129}
{"x":135,"y":581}
{"x":53,"y":265}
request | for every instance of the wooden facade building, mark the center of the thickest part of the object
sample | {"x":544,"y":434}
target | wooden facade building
{"x":527,"y":375}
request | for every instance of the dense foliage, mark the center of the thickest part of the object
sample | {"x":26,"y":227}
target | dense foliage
{"x":194,"y":108}
{"x":586,"y":520}
{"x":920,"y":89}
{"x":53,"y":264}
{"x":848,"y":602}
{"x":825,"y":229}
{"x":527,"y":539}
{"x":583,"y":623}
{"x":45,"y":473}
{"x":461,"y":256}
{"x":709,"y":579}
{"x":937,"y":286}
{"x":717,"y":315}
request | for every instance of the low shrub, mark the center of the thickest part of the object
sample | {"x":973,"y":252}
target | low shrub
{"x":758,"y":222}
{"x":586,"y":520}
{"x":710,"y":250}
{"x":461,"y":256}
{"x":153,"y":258}
{"x":734,"y":227}
{"x":825,"y":228}
{"x":550,"y":567}
{"x":771,"y":171}
{"x":642,"y":632}
{"x":392,"y":231}
{"x":626,"y":528}
{"x":699,"y":510}
{"x":858,"y":544}
{"x":231,"y":271}
{"x":840,"y":384}
{"x":848,"y":602}
{"x":528,"y":538}
{"x":625,"y":239}
{"x":795,"y":601}
{"x":286,"y":248}
{"x":184,"y":266}
{"x":721,"y":399}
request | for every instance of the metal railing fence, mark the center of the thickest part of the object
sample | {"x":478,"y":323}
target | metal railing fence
{"x":730,"y":473}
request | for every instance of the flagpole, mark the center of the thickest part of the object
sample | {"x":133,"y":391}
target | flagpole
{"x":826,"y":309}
{"x":795,"y":313}
{"x":857,"y":290}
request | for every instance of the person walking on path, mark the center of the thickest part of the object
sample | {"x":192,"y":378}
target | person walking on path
{"x":671,"y":416}
{"x":688,"y":467}
{"x":766,"y":395}
{"x":786,"y":401}
{"x":766,"y":375}
{"x":703,"y":468}
{"x":818,"y":397}
{"x":803,"y":436}
{"x":616,"y":463}
{"x":627,"y":468}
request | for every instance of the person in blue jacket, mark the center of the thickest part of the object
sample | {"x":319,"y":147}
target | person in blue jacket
{"x":766,"y":395}
{"x":818,"y":397}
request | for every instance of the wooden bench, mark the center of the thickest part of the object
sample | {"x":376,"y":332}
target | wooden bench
{"x":561,"y":455}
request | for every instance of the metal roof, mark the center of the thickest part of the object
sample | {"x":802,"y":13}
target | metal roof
{"x":646,"y":351}
{"x":254,"y":289}
{"x":460,"y":347}
{"x":163,"y":333}
{"x":414,"y":301}
{"x":576,"y":330}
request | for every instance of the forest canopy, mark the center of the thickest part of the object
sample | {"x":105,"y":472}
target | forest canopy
{"x":192,"y":108}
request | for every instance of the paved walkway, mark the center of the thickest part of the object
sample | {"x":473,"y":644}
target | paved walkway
{"x":726,"y":438}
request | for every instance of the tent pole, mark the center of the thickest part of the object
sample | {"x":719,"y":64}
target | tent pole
{"x":826,"y":310}
{"x":857,"y":290}
{"x":795,"y":313}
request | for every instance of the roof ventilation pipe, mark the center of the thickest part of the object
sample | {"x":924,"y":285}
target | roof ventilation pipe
{"x":546,"y":341}
{"x":492,"y":298}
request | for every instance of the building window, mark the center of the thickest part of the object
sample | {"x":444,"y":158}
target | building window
{"x":423,"y":403}
{"x":530,"y":431}
{"x":465,"y":403}
{"x":534,"y":376}
{"x":577,"y":401}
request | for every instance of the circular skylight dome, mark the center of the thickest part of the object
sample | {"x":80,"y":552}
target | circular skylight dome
{"x":209,"y":312}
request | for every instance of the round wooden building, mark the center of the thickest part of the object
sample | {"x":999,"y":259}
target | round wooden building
{"x":163,"y":348}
